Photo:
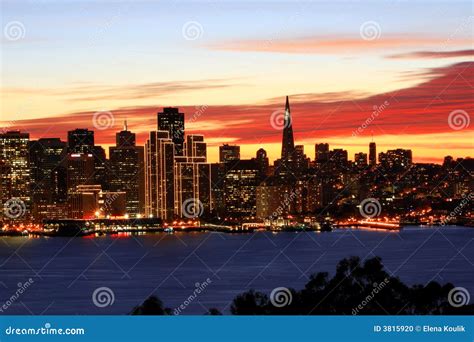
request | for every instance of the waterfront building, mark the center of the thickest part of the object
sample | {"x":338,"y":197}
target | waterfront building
{"x":15,"y":156}
{"x":90,"y":201}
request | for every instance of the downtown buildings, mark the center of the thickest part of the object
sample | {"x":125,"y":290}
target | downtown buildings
{"x":171,"y":178}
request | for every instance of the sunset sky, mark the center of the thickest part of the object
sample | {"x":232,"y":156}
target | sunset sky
{"x":229,"y":65}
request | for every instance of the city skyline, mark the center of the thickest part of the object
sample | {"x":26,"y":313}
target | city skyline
{"x":170,"y":177}
{"x":412,"y":76}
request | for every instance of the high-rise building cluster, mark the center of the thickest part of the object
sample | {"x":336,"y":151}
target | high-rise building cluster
{"x":170,"y":178}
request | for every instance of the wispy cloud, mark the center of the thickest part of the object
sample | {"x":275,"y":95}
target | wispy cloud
{"x":435,"y":54}
{"x":95,"y":92}
{"x":333,"y":45}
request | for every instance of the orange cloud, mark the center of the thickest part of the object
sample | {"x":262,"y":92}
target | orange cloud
{"x":334,"y":45}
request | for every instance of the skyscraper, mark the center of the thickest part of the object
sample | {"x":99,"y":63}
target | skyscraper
{"x":81,"y":141}
{"x":47,"y":172}
{"x":14,"y":153}
{"x":172,"y":121}
{"x":372,"y":154}
{"x":262,"y":163}
{"x":285,"y":166}
{"x":127,"y":171}
{"x":80,"y":170}
{"x":240,"y":187}
{"x":159,"y":176}
{"x":288,"y":143}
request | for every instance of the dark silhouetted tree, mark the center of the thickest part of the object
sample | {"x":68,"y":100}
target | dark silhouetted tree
{"x":151,"y":306}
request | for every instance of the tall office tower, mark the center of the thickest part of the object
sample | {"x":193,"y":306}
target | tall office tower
{"x":360,"y":160}
{"x":287,"y":143}
{"x":321,"y":153}
{"x":48,"y":175}
{"x":159,"y":176}
{"x":192,"y":189}
{"x":172,"y":121}
{"x":196,"y":148}
{"x":262,"y":163}
{"x":14,"y":153}
{"x":240,"y":186}
{"x":300,"y":160}
{"x":229,"y":153}
{"x":127,"y":171}
{"x":80,"y":140}
{"x":285,"y":167}
{"x":396,"y":160}
{"x":372,"y":154}
{"x":100,"y":167}
{"x":80,"y":170}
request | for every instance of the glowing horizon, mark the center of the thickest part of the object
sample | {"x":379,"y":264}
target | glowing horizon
{"x":131,"y":60}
